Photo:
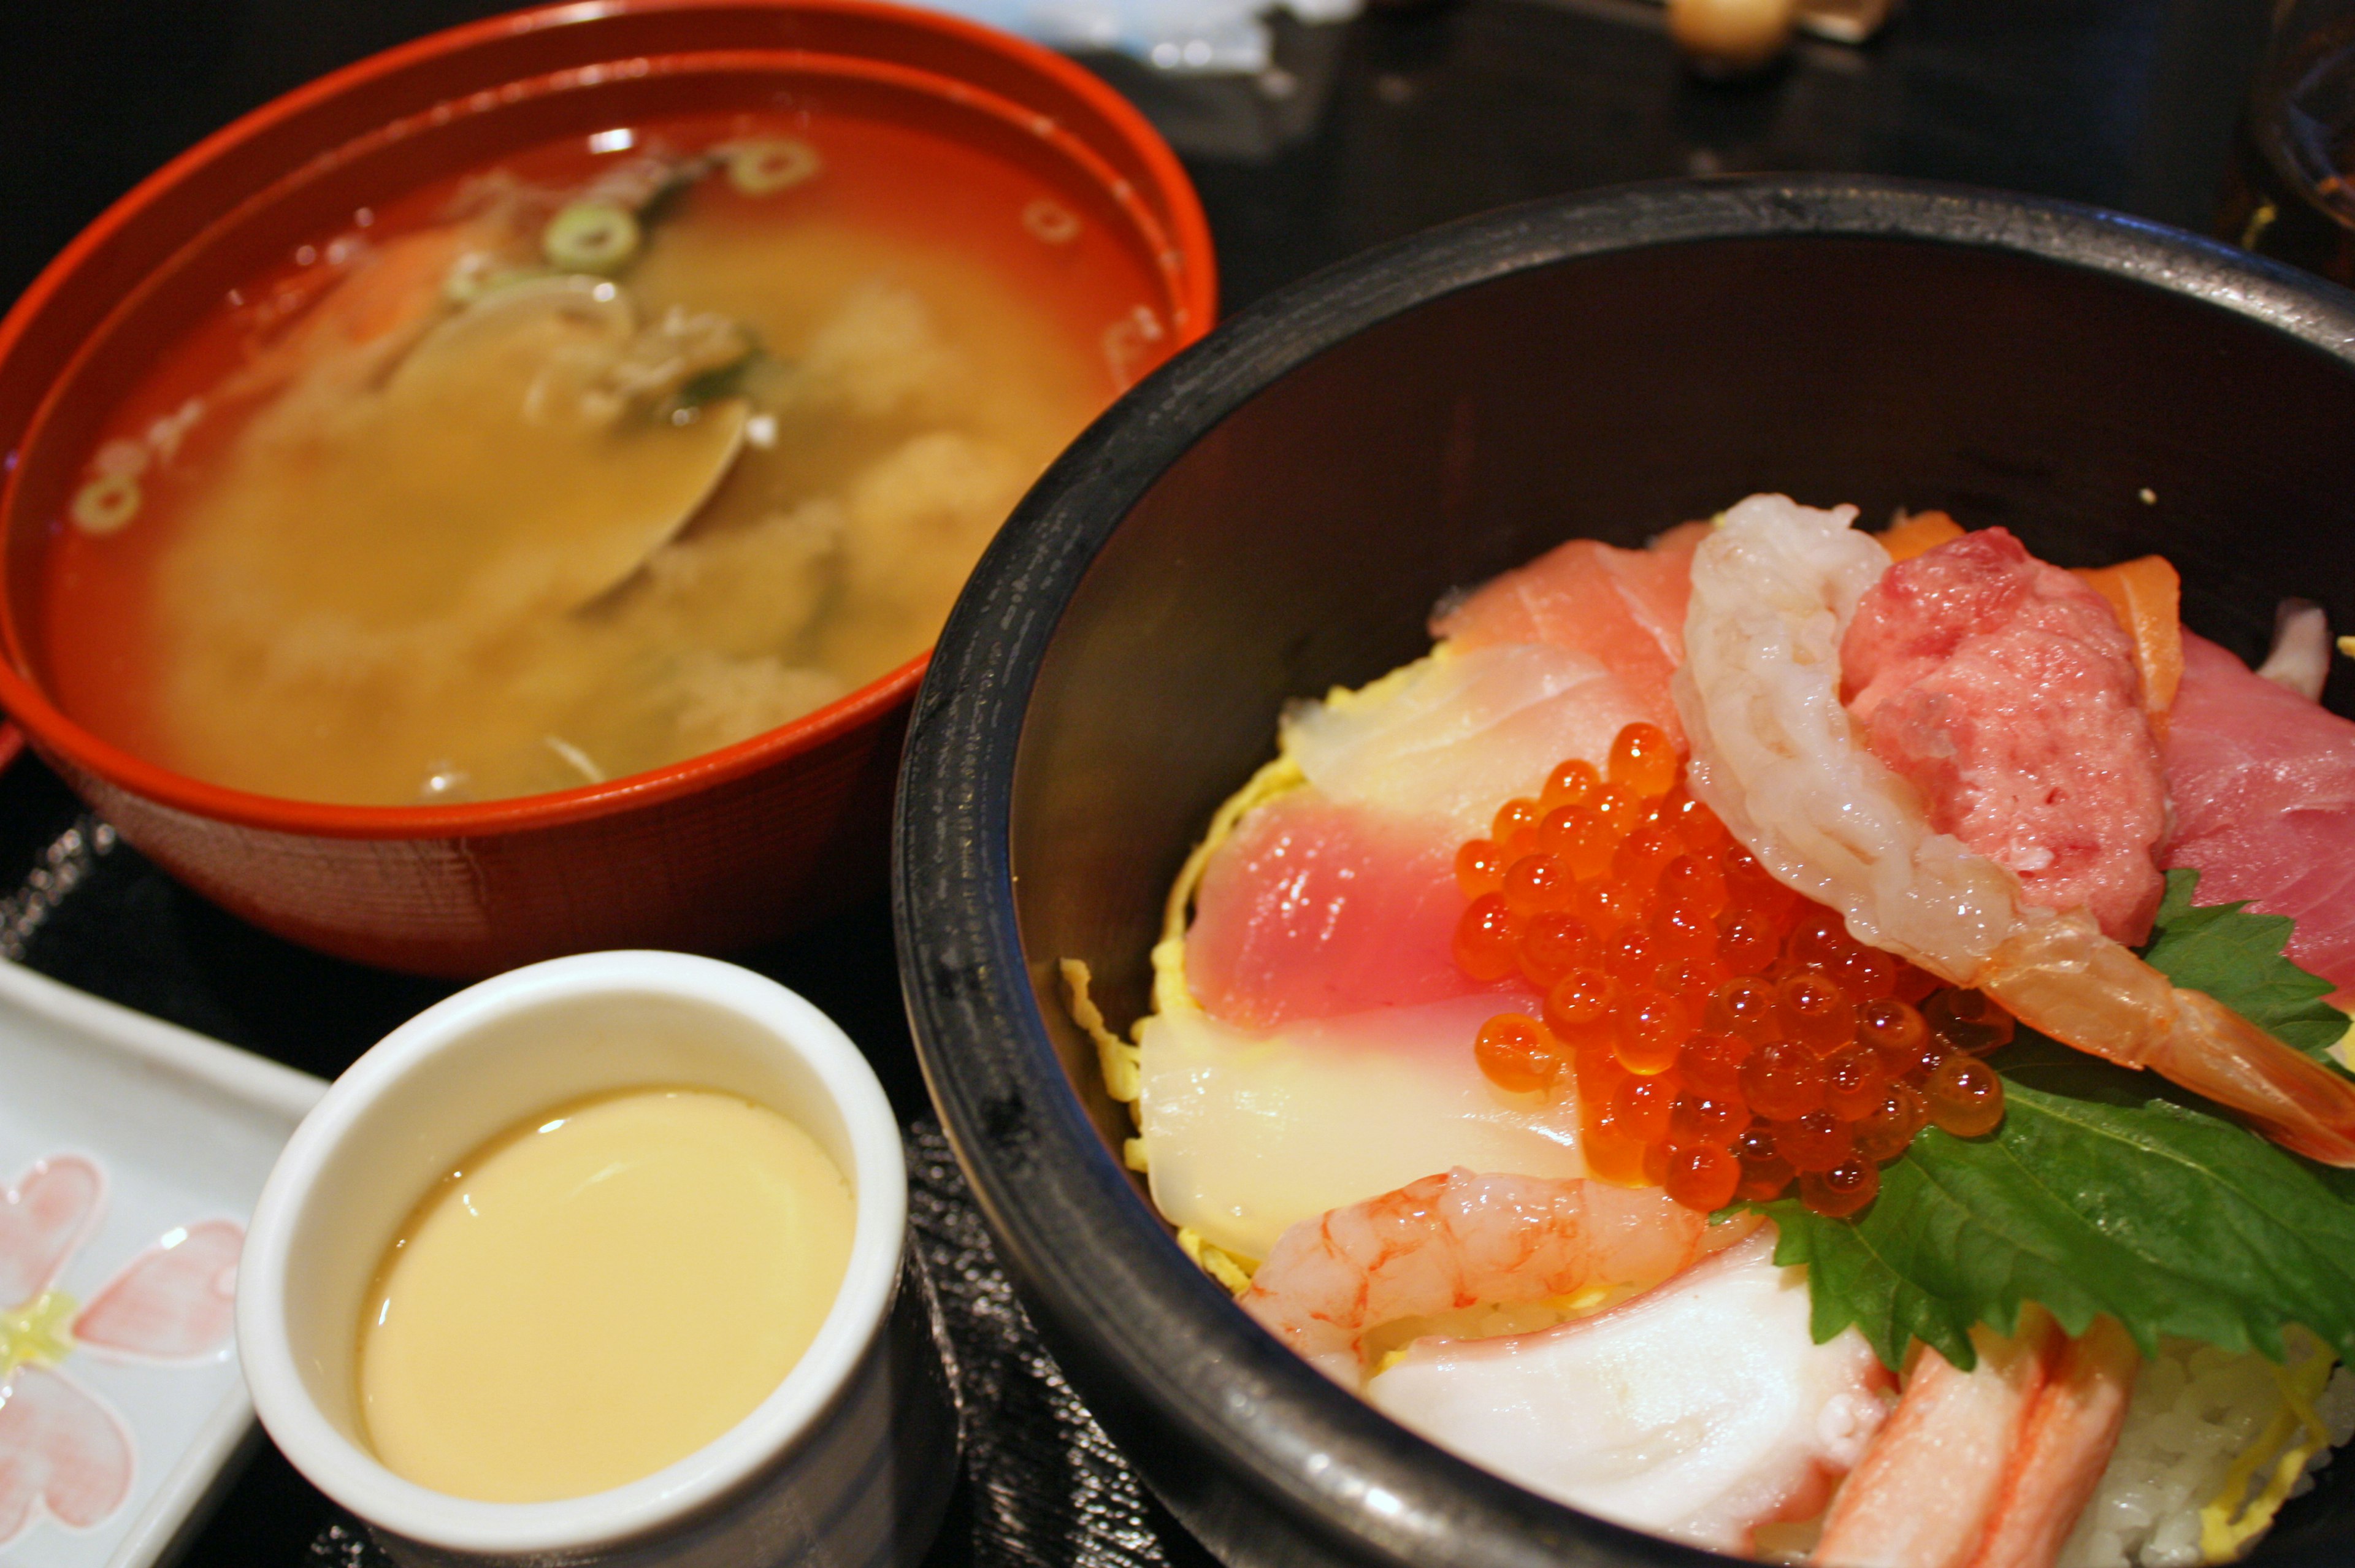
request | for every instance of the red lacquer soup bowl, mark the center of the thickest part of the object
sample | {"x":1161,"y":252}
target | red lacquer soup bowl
{"x":715,"y":852}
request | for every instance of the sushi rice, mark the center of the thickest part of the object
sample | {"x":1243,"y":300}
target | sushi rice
{"x":2212,"y":1446}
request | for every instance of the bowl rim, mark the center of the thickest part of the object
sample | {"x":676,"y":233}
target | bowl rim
{"x":1141,"y":1322}
{"x":344,"y":1467}
{"x":54,"y":734}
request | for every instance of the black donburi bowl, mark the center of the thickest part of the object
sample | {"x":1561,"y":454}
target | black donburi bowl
{"x":1275,"y":511}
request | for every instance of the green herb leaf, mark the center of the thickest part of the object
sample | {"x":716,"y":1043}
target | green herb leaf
{"x":2101,"y":1191}
{"x":2236,"y":957}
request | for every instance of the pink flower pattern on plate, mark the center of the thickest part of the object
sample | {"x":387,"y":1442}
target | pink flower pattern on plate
{"x":64,"y":1453}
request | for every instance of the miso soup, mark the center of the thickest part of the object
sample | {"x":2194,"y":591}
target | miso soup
{"x":616,"y":452}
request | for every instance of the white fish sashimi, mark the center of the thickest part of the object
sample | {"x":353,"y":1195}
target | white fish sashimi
{"x":1700,"y":1409}
{"x":1456,"y":734}
{"x":1252,"y":1133}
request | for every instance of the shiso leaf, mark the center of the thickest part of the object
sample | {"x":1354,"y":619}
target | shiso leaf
{"x":2101,"y":1191}
{"x":2105,"y":1190}
{"x":2237,"y":958}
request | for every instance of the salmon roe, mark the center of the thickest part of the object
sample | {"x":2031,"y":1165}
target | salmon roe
{"x":1727,"y":1037}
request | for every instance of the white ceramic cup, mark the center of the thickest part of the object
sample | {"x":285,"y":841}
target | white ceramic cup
{"x":848,"y":1462}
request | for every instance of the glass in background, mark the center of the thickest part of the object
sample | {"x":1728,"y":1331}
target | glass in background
{"x":2290,"y":193}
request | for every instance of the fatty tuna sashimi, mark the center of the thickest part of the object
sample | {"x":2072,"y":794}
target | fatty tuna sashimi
{"x":1451,"y":737}
{"x":1623,"y":607}
{"x":1251,"y":1134}
{"x":1701,"y":1410}
{"x":1315,"y":908}
{"x":2005,"y":690}
{"x":2263,"y":784}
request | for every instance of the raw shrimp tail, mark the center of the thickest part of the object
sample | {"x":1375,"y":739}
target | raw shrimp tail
{"x":2062,"y":977}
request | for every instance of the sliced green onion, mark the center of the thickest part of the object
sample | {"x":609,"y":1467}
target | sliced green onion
{"x":1051,"y":222}
{"x":105,"y":503}
{"x":589,"y":237}
{"x":770,"y":165}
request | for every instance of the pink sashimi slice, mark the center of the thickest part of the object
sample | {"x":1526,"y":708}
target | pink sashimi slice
{"x":2006,"y":691}
{"x":1624,"y":607}
{"x":2263,"y":784}
{"x":1316,"y":907}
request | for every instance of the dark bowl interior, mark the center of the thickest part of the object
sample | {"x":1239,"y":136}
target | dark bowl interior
{"x":1277,"y":510}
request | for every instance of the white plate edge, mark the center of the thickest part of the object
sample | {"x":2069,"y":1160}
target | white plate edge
{"x":282,"y":1091}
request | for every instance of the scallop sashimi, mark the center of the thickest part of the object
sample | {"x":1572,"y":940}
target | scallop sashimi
{"x":2263,"y":783}
{"x":1700,"y":1409}
{"x":1251,"y":1134}
{"x":2005,"y":690}
{"x":1625,"y":607}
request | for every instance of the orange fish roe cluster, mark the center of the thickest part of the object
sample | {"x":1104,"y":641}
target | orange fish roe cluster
{"x":1727,"y":1037}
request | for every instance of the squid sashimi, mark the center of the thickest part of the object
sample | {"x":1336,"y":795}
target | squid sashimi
{"x":1775,"y":756}
{"x":1251,"y":1133}
{"x":2263,"y":784}
{"x":2006,"y":691}
{"x":1606,"y":1414}
{"x":1623,"y":607}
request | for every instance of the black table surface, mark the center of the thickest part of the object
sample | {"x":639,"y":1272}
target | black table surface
{"x":1407,"y":117}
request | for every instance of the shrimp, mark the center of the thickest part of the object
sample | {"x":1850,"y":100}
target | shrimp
{"x":1460,"y":1239}
{"x":1987,"y":1469}
{"x":1776,"y":756}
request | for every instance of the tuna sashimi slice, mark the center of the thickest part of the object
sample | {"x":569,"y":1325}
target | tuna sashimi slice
{"x":1700,"y":1409}
{"x":1623,"y":607}
{"x":2006,"y":691}
{"x":1317,"y":907}
{"x":1453,"y":736}
{"x":2263,"y":784}
{"x":1251,"y":1133}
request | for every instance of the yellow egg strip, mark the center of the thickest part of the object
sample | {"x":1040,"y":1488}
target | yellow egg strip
{"x":1228,"y":1268}
{"x":2222,"y":1534}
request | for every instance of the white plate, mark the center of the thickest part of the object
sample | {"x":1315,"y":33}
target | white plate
{"x":182,"y":1130}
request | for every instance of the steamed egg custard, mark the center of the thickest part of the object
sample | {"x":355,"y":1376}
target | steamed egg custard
{"x":610,"y":455}
{"x":599,"y":1292}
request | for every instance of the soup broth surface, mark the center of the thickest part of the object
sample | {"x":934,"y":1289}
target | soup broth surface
{"x":618,"y":453}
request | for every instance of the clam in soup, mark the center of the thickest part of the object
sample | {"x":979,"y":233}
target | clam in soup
{"x":620,"y":451}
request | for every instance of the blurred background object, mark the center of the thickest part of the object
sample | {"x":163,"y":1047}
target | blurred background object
{"x":1355,"y":132}
{"x":2290,"y":192}
{"x":1728,"y":39}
